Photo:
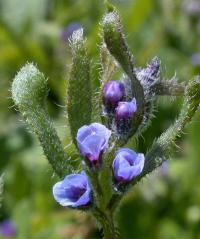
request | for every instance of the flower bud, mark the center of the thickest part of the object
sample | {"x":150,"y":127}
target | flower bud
{"x":74,"y":191}
{"x":127,"y":165}
{"x":93,"y":141}
{"x":126,"y":110}
{"x":113,"y":92}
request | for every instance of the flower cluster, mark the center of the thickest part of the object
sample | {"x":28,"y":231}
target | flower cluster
{"x":113,"y":95}
{"x":93,"y":140}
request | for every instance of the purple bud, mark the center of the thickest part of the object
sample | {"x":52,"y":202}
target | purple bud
{"x":93,"y":141}
{"x":127,"y":165}
{"x":74,"y":191}
{"x":126,"y":110}
{"x":68,"y":31}
{"x":113,"y":92}
{"x":7,"y":229}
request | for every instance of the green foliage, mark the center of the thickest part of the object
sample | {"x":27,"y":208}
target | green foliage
{"x":29,"y":91}
{"x":79,"y":104}
{"x":162,"y":147}
{"x":29,"y":88}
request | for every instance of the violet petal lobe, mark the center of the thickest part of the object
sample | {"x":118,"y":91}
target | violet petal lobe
{"x":93,"y":140}
{"x":113,"y":92}
{"x":127,"y":165}
{"x":74,"y":191}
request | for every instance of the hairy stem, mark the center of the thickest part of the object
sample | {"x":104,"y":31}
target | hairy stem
{"x":170,"y":87}
{"x":160,"y":149}
{"x":107,"y":224}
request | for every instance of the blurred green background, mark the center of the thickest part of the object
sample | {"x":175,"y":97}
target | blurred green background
{"x":165,"y":205}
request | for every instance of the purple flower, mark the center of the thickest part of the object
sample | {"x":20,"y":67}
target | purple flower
{"x":93,"y":141}
{"x":127,"y":165}
{"x":113,"y":92}
{"x":126,"y":110}
{"x":74,"y":191}
{"x":68,"y":31}
{"x":7,"y":229}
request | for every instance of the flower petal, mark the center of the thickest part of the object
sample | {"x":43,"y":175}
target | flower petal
{"x":60,"y":195}
{"x":92,"y":147}
{"x":85,"y":199}
{"x":73,"y":191}
{"x":127,"y":165}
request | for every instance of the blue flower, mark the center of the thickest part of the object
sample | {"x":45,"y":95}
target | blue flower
{"x":127,"y":165}
{"x":126,"y":110}
{"x":7,"y":228}
{"x":113,"y":92}
{"x":74,"y":191}
{"x":93,"y":141}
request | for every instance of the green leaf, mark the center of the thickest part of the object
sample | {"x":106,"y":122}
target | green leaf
{"x":79,"y":97}
{"x":29,"y":92}
{"x":162,"y":147}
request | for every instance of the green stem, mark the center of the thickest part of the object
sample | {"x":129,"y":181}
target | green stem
{"x":160,"y":149}
{"x":97,"y":190}
{"x":107,"y":224}
{"x":101,"y":181}
{"x":169,"y":87}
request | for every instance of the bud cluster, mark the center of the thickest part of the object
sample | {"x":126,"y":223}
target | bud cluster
{"x":120,"y":111}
